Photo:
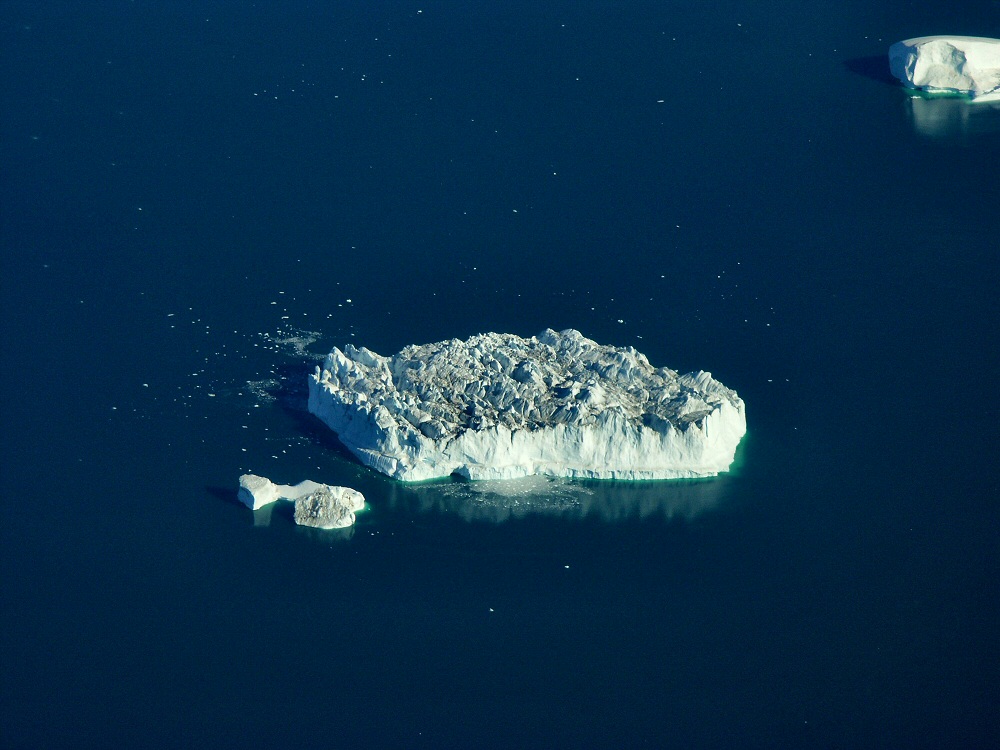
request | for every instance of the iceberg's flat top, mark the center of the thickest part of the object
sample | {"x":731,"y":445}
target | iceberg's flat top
{"x":948,"y":64}
{"x":500,"y":406}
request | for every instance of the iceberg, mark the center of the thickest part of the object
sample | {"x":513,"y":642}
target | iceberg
{"x":968,"y":65}
{"x":328,"y":507}
{"x":319,"y":505}
{"x":498,"y":406}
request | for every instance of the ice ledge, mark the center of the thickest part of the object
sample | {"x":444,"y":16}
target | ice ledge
{"x":498,"y":406}
{"x":968,"y":65}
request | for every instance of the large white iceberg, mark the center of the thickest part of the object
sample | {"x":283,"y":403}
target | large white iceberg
{"x":949,"y":64}
{"x":499,"y":406}
{"x":320,"y":505}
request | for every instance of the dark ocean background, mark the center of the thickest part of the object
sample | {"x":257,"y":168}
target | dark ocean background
{"x":198,"y":200}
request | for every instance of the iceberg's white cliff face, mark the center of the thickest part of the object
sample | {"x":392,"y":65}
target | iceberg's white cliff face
{"x":498,"y":406}
{"x":949,"y":64}
{"x":320,"y":505}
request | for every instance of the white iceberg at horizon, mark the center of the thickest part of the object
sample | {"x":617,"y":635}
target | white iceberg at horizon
{"x":499,"y":406}
{"x":967,"y":65}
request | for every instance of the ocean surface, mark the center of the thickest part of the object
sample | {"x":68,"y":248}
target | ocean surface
{"x":198,"y":200}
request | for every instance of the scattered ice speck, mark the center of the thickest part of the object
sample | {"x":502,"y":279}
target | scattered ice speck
{"x":262,"y":390}
{"x":293,"y":342}
{"x":566,"y":566}
{"x":491,"y":609}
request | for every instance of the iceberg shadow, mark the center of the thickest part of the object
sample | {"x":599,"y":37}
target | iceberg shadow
{"x":874,"y":67}
{"x":226,"y":494}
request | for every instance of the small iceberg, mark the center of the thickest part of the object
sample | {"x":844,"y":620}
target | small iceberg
{"x":320,"y":506}
{"x":956,"y":65}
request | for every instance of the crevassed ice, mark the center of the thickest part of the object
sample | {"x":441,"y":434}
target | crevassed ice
{"x":498,"y":406}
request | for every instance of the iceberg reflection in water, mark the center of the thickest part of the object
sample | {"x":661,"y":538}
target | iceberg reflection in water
{"x":262,"y":518}
{"x":953,"y":116}
{"x":504,"y":500}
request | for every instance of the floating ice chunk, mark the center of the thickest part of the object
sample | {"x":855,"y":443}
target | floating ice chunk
{"x":948,"y":64}
{"x":316,"y":504}
{"x":256,"y":492}
{"x":499,"y":406}
{"x":328,"y":507}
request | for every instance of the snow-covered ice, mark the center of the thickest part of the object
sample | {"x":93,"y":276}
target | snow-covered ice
{"x":320,"y":505}
{"x":328,"y":507}
{"x":949,"y":64}
{"x":498,"y":406}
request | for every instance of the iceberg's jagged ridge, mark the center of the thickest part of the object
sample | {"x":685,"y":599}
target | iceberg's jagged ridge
{"x":320,"y":505}
{"x":499,"y":406}
{"x":949,"y":64}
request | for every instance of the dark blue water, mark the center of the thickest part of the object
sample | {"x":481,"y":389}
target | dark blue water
{"x":197,"y":200}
